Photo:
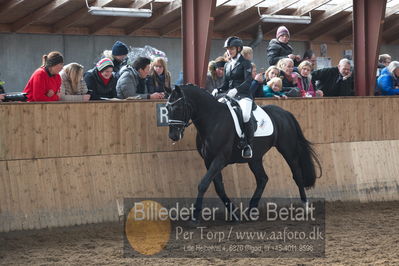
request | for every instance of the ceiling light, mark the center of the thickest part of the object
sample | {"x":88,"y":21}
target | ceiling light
{"x":120,"y":12}
{"x":286,"y":19}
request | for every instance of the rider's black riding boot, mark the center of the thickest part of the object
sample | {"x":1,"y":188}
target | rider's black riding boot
{"x":249,"y":135}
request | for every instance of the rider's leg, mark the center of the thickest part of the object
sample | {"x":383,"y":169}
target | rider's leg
{"x":246,"y":107}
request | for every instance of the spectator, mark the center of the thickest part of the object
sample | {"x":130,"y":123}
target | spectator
{"x":257,"y":82}
{"x":383,"y":61}
{"x":289,"y":77}
{"x":247,"y":53}
{"x":159,"y":77}
{"x":214,"y":78}
{"x":1,"y":87}
{"x":274,"y":88}
{"x":388,"y":82}
{"x":132,"y":81}
{"x":118,"y":55}
{"x":279,"y":48}
{"x":226,"y":56}
{"x":45,"y":83}
{"x":311,"y":57}
{"x":305,"y":81}
{"x":272,"y":72}
{"x":335,"y":81}
{"x":100,"y":80}
{"x":73,"y":86}
{"x":1,"y":91}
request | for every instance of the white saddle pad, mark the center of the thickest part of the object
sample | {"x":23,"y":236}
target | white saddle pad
{"x":265,"y":125}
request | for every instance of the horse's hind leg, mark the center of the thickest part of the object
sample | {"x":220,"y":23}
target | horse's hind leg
{"x":261,"y":180}
{"x":293,"y":163}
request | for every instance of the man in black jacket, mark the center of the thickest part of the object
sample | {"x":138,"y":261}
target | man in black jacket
{"x":335,"y":81}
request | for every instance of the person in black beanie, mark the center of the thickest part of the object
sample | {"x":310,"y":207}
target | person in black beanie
{"x":118,"y":55}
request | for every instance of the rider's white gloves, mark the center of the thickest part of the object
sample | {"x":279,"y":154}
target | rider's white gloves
{"x":214,"y":92}
{"x":232,"y":93}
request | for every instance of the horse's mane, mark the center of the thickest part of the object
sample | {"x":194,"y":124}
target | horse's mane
{"x":198,"y":93}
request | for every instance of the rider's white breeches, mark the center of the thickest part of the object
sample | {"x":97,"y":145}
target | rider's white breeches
{"x":246,"y":107}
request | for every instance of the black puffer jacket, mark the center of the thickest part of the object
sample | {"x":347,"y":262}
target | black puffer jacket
{"x":277,"y":50}
{"x":96,"y":86}
{"x":331,"y":82}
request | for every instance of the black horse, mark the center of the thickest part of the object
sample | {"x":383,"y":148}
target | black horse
{"x":217,"y":142}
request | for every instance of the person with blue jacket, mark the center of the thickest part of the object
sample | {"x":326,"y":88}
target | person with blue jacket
{"x":388,"y":81}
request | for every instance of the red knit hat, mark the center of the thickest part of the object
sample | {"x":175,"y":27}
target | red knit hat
{"x":281,"y":31}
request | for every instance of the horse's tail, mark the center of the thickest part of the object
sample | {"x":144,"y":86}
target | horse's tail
{"x":307,"y":157}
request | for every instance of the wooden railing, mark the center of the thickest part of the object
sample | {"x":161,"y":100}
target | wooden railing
{"x":67,"y":163}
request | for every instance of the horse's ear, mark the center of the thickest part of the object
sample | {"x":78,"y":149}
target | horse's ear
{"x":177,"y":89}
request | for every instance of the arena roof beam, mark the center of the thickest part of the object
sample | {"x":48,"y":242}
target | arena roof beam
{"x":173,"y":6}
{"x":221,"y":2}
{"x":38,"y":14}
{"x":108,"y":21}
{"x":302,"y":11}
{"x":311,"y":5}
{"x":175,"y":25}
{"x":368,"y":17}
{"x":390,"y":33}
{"x":343,"y":23}
{"x":271,"y":10}
{"x":347,"y":25}
{"x":171,"y":27}
{"x":239,"y":10}
{"x":65,"y":22}
{"x":6,"y":7}
{"x":321,"y":21}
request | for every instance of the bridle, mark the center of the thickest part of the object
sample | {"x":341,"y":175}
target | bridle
{"x":181,"y":124}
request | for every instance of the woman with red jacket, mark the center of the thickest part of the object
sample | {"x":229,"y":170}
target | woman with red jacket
{"x":45,"y":83}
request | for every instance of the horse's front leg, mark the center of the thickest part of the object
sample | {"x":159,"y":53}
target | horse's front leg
{"x":214,"y":169}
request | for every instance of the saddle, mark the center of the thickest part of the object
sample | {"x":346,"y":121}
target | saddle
{"x":237,"y":109}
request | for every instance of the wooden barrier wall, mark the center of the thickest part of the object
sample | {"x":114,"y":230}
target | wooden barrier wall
{"x":63,"y":164}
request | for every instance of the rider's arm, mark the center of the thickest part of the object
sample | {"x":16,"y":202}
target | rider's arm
{"x":247,"y":76}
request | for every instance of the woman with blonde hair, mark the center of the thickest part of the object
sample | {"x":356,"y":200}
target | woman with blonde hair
{"x":247,"y":53}
{"x":159,"y":77}
{"x":272,"y":72}
{"x":305,"y":80}
{"x":289,"y":77}
{"x":73,"y":87}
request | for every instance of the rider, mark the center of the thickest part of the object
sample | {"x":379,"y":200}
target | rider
{"x":237,"y":82}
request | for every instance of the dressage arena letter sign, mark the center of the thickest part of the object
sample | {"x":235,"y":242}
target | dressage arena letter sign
{"x":162,"y":115}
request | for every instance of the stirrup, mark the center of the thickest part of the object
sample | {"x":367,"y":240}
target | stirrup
{"x":247,"y":156}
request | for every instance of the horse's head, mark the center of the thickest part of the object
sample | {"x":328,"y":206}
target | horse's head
{"x":179,"y":114}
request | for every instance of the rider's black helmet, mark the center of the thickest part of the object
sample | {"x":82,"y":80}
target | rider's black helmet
{"x":233,"y":41}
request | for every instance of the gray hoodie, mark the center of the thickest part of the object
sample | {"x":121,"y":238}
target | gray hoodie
{"x":128,"y":83}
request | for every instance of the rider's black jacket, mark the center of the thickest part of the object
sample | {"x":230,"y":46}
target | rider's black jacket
{"x":238,"y":76}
